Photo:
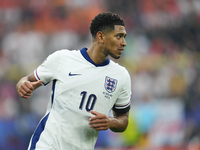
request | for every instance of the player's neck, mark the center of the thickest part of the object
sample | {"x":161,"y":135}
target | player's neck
{"x":96,"y":54}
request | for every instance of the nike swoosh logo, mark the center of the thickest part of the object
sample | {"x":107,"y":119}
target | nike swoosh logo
{"x":70,"y":74}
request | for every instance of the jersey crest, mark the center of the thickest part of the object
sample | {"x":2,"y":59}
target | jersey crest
{"x":110,"y":84}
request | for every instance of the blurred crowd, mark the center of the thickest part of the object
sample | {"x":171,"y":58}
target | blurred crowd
{"x":162,"y":57}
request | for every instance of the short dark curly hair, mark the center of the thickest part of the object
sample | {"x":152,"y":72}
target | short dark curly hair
{"x":105,"y":21}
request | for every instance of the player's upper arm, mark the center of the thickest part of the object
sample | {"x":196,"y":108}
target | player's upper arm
{"x":49,"y":69}
{"x":122,"y":104}
{"x":119,"y":110}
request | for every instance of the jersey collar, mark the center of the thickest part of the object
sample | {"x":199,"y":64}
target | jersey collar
{"x":87,"y":57}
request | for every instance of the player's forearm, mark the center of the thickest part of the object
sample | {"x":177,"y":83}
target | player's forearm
{"x":118,"y":124}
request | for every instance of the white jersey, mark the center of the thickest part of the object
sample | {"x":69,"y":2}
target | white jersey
{"x":79,"y":85}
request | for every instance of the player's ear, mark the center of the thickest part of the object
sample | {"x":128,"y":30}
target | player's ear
{"x":100,"y":36}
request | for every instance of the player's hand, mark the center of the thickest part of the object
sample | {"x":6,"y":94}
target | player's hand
{"x":25,"y":90}
{"x":99,"y":121}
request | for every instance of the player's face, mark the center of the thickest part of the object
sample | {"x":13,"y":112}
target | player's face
{"x":115,"y":42}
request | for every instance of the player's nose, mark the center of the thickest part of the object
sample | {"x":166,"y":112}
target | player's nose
{"x":123,"y":42}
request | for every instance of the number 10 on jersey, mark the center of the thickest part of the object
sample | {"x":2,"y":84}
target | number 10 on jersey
{"x":87,"y":101}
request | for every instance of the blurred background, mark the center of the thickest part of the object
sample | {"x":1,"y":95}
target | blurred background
{"x":162,"y":57}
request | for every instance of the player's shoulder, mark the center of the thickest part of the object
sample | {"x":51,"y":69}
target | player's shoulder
{"x":63,"y":53}
{"x":119,"y":68}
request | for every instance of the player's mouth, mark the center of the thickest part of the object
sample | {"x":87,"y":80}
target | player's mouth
{"x":120,"y":51}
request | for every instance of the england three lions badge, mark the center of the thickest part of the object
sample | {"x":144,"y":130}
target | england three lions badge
{"x":110,"y":84}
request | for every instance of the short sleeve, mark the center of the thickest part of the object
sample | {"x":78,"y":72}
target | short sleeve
{"x":48,"y":70}
{"x":122,"y":104}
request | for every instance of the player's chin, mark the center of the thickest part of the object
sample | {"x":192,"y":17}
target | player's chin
{"x":116,"y":57}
